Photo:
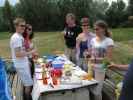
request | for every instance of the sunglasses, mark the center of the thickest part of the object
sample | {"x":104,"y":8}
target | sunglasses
{"x":22,"y":25}
{"x":29,"y":29}
{"x":85,"y":25}
{"x":96,"y":29}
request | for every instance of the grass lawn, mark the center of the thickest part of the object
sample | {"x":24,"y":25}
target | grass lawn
{"x":122,"y":34}
{"x":48,"y":42}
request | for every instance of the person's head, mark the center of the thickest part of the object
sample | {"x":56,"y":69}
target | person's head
{"x":70,"y":19}
{"x":19,"y":24}
{"x":85,"y":24}
{"x":28,"y":31}
{"x":101,"y":29}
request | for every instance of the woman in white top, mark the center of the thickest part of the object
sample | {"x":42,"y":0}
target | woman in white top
{"x":102,"y":46}
{"x":29,"y":45}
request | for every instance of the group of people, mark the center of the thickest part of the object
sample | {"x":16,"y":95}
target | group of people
{"x":23,"y":51}
{"x":81,"y":45}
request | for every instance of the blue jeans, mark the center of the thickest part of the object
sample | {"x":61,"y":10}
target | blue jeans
{"x":127,"y":89}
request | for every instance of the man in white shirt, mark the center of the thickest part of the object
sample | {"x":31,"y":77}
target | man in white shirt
{"x":19,"y":57}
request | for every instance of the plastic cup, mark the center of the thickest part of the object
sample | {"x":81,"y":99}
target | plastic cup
{"x":99,"y":72}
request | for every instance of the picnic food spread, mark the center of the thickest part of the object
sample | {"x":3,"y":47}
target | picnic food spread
{"x":56,"y":70}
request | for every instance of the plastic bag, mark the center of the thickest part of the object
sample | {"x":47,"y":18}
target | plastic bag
{"x":5,"y":90}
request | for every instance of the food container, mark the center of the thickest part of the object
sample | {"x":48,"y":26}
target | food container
{"x":38,"y":76}
{"x":56,"y":73}
{"x":57,"y":65}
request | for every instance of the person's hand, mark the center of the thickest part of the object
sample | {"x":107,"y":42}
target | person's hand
{"x":35,"y":54}
{"x":63,"y":32}
{"x":33,"y":51}
{"x":112,"y":65}
{"x":92,"y":60}
{"x":86,"y":54}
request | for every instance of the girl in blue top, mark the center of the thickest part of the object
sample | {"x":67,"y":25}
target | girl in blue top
{"x":83,"y":43}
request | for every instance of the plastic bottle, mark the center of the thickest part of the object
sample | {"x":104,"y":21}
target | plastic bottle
{"x":90,"y":70}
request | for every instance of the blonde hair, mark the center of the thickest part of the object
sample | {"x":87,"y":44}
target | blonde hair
{"x":71,"y":15}
{"x":17,"y":21}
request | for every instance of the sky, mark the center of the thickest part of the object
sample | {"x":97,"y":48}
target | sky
{"x":126,"y":1}
{"x":13,"y":2}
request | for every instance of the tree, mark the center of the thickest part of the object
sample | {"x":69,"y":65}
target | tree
{"x":42,"y":14}
{"x":3,"y":25}
{"x":130,"y":7}
{"x":80,"y":8}
{"x":47,"y":15}
{"x":7,"y":15}
{"x":116,"y":13}
{"x":98,"y":10}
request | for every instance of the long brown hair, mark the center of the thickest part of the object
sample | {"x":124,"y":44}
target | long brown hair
{"x":103,"y":25}
{"x":25,"y":34}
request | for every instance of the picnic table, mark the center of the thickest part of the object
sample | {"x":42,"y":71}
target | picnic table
{"x":75,"y":90}
{"x":109,"y":87}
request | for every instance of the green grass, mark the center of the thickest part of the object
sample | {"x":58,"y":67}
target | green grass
{"x":123,"y":34}
{"x":48,"y":42}
{"x":4,"y":35}
{"x":122,"y":53}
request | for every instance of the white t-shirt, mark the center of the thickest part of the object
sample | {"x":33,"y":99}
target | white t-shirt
{"x":90,"y":37}
{"x":99,"y":48}
{"x":18,"y":41}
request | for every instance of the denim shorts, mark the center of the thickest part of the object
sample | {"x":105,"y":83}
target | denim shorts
{"x":25,"y":75}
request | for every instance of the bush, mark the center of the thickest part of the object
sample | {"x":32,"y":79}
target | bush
{"x":126,"y":24}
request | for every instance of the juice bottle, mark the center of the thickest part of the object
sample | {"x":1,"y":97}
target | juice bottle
{"x":44,"y":76}
{"x":90,"y":71}
{"x":55,"y":80}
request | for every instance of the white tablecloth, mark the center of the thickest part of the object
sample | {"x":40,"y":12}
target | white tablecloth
{"x":39,"y":87}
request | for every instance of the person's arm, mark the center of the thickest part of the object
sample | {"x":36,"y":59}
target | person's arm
{"x":77,"y":43}
{"x":119,"y":66}
{"x":35,"y":55}
{"x":78,"y":40}
{"x":63,"y":34}
{"x":109,"y":52}
{"x":32,"y":46}
{"x":20,"y":53}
